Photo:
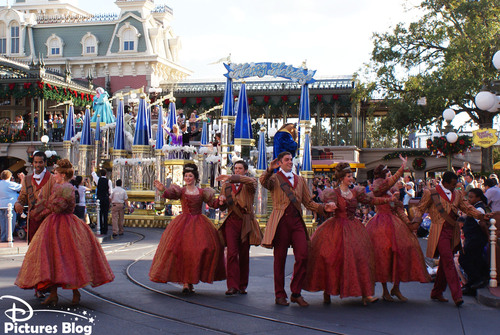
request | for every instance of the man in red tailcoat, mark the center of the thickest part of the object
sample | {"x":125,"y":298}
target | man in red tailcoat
{"x":30,"y":190}
{"x":286,"y":227}
{"x":442,"y":203}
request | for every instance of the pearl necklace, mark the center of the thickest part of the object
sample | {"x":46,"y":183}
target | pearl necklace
{"x":345,"y":194}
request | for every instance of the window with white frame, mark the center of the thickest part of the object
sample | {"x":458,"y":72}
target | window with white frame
{"x":129,"y":37}
{"x":54,"y":46}
{"x":128,"y":40}
{"x":3,"y":38}
{"x":14,"y":38}
{"x":89,"y":44}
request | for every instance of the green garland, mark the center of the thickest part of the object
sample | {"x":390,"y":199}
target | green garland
{"x":408,"y":153}
{"x":46,"y":91}
{"x":441,"y":147}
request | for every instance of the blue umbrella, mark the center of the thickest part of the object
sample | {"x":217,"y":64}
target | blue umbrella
{"x":119,"y":143}
{"x":85,"y":139}
{"x":160,"y":134}
{"x":172,"y":116}
{"x":69,"y":132}
{"x":262,"y":161}
{"x":141,"y":135}
{"x":204,"y":133}
{"x":98,"y":129}
{"x":243,"y":124}
{"x":306,"y":161}
{"x":228,"y":102}
{"x":148,"y":116}
{"x":305,"y":110}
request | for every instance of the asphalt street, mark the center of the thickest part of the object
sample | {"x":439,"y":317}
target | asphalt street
{"x":132,"y":304}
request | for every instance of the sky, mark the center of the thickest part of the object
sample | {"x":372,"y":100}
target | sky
{"x":334,"y":36}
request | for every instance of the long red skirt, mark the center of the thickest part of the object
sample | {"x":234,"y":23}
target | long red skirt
{"x":341,"y":260}
{"x":398,"y":256}
{"x":190,"y":251}
{"x":64,"y":252}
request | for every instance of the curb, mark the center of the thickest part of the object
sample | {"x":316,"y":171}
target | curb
{"x":485,"y":297}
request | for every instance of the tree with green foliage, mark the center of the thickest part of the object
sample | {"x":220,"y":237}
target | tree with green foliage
{"x":444,"y":56}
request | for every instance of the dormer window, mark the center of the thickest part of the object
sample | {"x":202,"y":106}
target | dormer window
{"x":128,"y":40}
{"x":129,"y":37}
{"x":54,"y":46}
{"x":89,"y":44}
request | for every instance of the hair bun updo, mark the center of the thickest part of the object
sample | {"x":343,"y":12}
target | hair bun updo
{"x":341,"y":170}
{"x":65,"y":167}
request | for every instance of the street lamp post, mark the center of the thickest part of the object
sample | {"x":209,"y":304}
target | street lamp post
{"x":451,"y":136}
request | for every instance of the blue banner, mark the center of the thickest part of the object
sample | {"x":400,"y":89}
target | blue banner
{"x":245,"y":70}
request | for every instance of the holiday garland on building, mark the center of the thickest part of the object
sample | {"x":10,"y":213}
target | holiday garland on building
{"x":45,"y":91}
{"x":439,"y":146}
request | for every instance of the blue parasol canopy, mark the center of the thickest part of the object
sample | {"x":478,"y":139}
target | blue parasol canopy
{"x":243,"y":124}
{"x":160,"y":133}
{"x":141,"y":135}
{"x":262,"y":160}
{"x":119,"y":143}
{"x":85,"y":139}
{"x":172,"y":116}
{"x":306,"y":161}
{"x":69,"y":132}
{"x":228,"y":103}
{"x":204,"y":133}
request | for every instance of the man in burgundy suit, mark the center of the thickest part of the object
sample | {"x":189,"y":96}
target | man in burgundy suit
{"x":286,"y":226}
{"x":31,"y":187}
{"x":240,"y":228}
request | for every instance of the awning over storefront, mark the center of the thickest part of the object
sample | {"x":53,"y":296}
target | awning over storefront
{"x":328,"y":166}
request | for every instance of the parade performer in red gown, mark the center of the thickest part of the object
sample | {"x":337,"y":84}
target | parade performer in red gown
{"x":341,"y":260}
{"x":64,"y":252}
{"x":398,"y":256}
{"x":190,"y":249}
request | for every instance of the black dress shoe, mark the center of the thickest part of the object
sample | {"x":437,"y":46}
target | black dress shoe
{"x":459,"y":302}
{"x":243,"y":291}
{"x":231,"y":291}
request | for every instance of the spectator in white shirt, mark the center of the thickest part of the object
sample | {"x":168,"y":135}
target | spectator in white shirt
{"x":492,"y":194}
{"x":119,"y":199}
{"x":409,"y":194}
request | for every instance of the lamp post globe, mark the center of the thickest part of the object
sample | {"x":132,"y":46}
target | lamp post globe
{"x":451,"y":137}
{"x":485,"y":100}
{"x":448,"y":114}
{"x":496,"y":60}
{"x":45,"y":139}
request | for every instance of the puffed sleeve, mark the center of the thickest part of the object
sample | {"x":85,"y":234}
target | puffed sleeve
{"x":209,"y":197}
{"x":173,"y":192}
{"x":62,"y":199}
{"x":364,"y":198}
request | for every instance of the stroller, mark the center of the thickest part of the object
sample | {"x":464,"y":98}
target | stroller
{"x":21,"y":229}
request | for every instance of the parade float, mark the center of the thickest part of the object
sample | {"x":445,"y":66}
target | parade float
{"x":136,"y":150}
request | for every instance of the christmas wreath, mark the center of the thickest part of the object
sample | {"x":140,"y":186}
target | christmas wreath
{"x":441,"y":147}
{"x":419,"y":164}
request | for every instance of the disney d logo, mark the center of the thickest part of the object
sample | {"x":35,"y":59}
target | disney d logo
{"x":14,"y":311}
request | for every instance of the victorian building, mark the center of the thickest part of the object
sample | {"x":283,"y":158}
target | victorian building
{"x":134,"y":48}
